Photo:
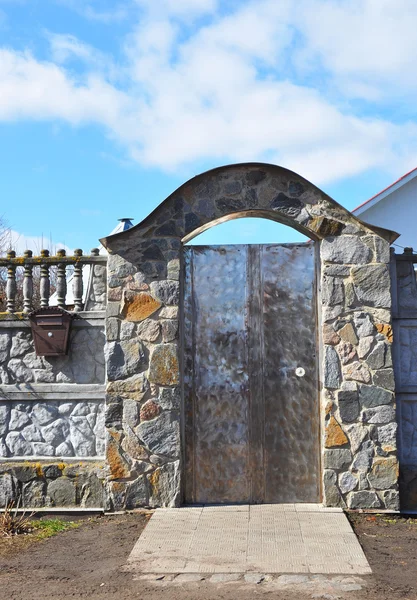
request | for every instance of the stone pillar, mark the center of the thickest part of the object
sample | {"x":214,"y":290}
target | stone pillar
{"x":360,"y":452}
{"x":143,"y":393}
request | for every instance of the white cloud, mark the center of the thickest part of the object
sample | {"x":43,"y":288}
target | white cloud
{"x":14,"y":240}
{"x":248,"y":85}
{"x":368,"y":46}
{"x":89,"y":10}
{"x":181,"y":8}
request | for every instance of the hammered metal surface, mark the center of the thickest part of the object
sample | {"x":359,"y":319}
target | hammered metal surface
{"x":218,"y":426}
{"x":291,"y":444}
{"x":251,"y":424}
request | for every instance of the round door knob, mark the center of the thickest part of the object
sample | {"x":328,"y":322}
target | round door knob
{"x":300,"y":372}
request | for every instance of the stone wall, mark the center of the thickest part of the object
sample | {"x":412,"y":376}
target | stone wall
{"x":29,"y":429}
{"x":405,"y":355}
{"x":143,"y":348}
{"x":20,"y":364}
{"x":360,"y":463}
{"x":52,"y":434}
{"x":53,"y":484}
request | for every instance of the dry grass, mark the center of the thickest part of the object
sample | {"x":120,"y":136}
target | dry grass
{"x":14,"y":523}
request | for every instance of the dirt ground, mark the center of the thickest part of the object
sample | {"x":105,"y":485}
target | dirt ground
{"x":86,"y":563}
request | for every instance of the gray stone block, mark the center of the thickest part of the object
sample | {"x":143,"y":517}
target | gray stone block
{"x":162,"y":434}
{"x":347,"y":482}
{"x":376,"y":359}
{"x":371,"y":396}
{"x":379,"y":414}
{"x":167,"y":292}
{"x":384,"y":473}
{"x":385,"y":379}
{"x":332,"y":377}
{"x":337,"y":459}
{"x":363,"y":499}
{"x":17,"y":445}
{"x":372,"y":285}
{"x":348,"y":402}
{"x":124,"y":358}
{"x":332,"y":496}
{"x":165,"y":485}
{"x":345,"y":250}
{"x":42,"y":449}
{"x":390,"y":499}
{"x":137,"y":493}
{"x":356,"y":434}
{"x":169,"y":398}
{"x":62,"y":492}
{"x":5,"y":344}
{"x":7,"y":489}
{"x":364,"y":325}
{"x":387,"y":435}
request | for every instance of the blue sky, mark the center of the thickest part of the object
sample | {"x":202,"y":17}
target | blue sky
{"x":107,"y":106}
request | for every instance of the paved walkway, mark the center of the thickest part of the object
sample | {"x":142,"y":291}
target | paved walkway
{"x":275,"y":538}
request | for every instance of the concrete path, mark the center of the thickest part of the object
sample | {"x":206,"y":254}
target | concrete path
{"x":275,"y":538}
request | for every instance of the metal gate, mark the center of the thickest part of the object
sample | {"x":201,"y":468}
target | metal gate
{"x":250,"y":374}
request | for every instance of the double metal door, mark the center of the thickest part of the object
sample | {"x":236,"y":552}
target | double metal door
{"x":250,"y":374}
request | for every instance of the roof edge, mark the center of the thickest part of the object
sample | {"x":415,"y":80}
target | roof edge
{"x":398,"y":183}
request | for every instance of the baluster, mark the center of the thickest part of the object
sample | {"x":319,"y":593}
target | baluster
{"x":11,"y":284}
{"x":78,"y":283}
{"x":27,"y":284}
{"x":61,"y":281}
{"x":45,"y":284}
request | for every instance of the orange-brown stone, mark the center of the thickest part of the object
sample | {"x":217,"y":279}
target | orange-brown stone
{"x":325,"y":227}
{"x":163,"y":368}
{"x":118,"y":466}
{"x":149,"y":410}
{"x":133,"y":448}
{"x":329,"y":335}
{"x":386,"y":330}
{"x":335,"y":435}
{"x":138,"y":307}
{"x":328,"y":408}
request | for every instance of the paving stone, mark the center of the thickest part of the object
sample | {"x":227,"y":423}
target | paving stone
{"x":234,"y":541}
{"x":225,"y":577}
{"x":188,"y":578}
{"x":253,"y":577}
{"x":292,"y":579}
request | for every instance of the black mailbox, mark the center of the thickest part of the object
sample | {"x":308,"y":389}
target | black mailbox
{"x":50,"y":330}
